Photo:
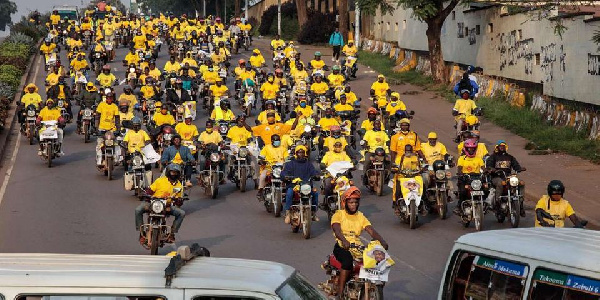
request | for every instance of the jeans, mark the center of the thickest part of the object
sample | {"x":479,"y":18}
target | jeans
{"x":289,"y":197}
{"x":176,"y":212}
{"x":336,"y":52}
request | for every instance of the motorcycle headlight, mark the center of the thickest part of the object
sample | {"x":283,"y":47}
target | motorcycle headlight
{"x":243,"y":152}
{"x":87,"y":113}
{"x":138,"y":161}
{"x":61,"y":103}
{"x":157,"y":207}
{"x":514,"y":181}
{"x":476,"y":184}
{"x":277,"y":172}
{"x":97,"y":54}
{"x":440,"y":174}
{"x":31,"y":113}
{"x":131,"y":70}
{"x":180,"y":110}
{"x":223,"y":129}
{"x":214,"y":157}
{"x":305,"y":189}
{"x":250,"y":89}
{"x":167,"y":136}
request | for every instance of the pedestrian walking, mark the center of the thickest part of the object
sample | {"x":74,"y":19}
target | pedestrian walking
{"x":337,"y":41}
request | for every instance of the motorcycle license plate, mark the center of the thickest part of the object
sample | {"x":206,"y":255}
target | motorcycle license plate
{"x":31,"y":118}
{"x":49,"y":134}
{"x":477,"y":193}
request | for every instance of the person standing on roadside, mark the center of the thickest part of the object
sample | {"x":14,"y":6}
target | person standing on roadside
{"x":337,"y":41}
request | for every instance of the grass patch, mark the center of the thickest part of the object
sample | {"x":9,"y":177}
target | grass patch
{"x":523,"y":122}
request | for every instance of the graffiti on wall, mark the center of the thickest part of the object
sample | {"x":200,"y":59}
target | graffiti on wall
{"x":512,"y":51}
{"x":547,"y":59}
{"x":472,"y":38}
{"x":461,"y":30}
{"x":593,"y":64}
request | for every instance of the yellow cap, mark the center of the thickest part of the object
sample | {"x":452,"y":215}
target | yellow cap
{"x":396,"y":94}
{"x":300,"y":147}
{"x":380,"y":76}
{"x":404,"y":120}
{"x":256,"y":51}
{"x":432,"y":135}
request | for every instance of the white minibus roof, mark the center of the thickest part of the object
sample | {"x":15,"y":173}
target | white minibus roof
{"x":570,"y":247}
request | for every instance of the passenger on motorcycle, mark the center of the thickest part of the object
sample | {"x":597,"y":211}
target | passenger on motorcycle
{"x":179,"y":155}
{"x":404,"y":137}
{"x":335,"y":78}
{"x":134,"y":140}
{"x":30,"y":97}
{"x":409,"y":161}
{"x":367,"y":124}
{"x":131,"y":58}
{"x":79,"y":63}
{"x":163,"y":117}
{"x":164,"y":187}
{"x":262,"y":116}
{"x":210,"y":75}
{"x":280,"y":79}
{"x":52,"y":113}
{"x":375,"y":138}
{"x":468,"y":163}
{"x":222,"y":111}
{"x":272,"y":154}
{"x":347,"y":225}
{"x":463,"y":108}
{"x":300,"y":167}
{"x":128,"y":98}
{"x":266,"y":130}
{"x":329,"y":120}
{"x":432,"y":151}
{"x":351,"y":50}
{"x":335,"y":137}
{"x":269,"y":89}
{"x":552,"y":210}
{"x":208,"y":138}
{"x":299,"y":74}
{"x":106,"y":79}
{"x":187,"y":130}
{"x":395,"y":105}
{"x":256,"y":60}
{"x":343,"y":105}
{"x":502,"y":165}
{"x":482,"y":151}
{"x":247,"y":73}
{"x":466,"y":83}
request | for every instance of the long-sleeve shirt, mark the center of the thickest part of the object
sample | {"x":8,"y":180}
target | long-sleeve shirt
{"x":336,"y":39}
{"x":170,"y":153}
{"x":299,"y":169}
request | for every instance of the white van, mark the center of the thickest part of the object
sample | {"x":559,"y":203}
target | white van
{"x":526,"y":263}
{"x":136,"y":277}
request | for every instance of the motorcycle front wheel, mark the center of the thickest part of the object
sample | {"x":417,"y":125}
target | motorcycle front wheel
{"x":515,"y":213}
{"x":214,"y":185}
{"x":243,"y":178}
{"x":86,"y":133}
{"x":49,"y":151}
{"x":379,"y":187}
{"x":278,"y":205}
{"x":442,"y":205}
{"x":109,"y":167}
{"x":412,"y":209}
{"x":306,"y":224}
{"x":154,"y":241}
{"x":478,"y":216}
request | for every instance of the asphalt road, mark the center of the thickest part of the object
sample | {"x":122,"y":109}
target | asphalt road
{"x":72,"y":208}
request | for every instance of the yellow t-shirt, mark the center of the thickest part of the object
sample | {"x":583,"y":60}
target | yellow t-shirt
{"x":269,"y":90}
{"x":343,"y":107}
{"x":274,"y":154}
{"x":330,"y":141}
{"x":239,"y":135}
{"x":376,"y":139}
{"x":332,"y":156}
{"x":257,"y":61}
{"x":326,"y":123}
{"x":107,"y":112}
{"x":380,"y":88}
{"x":163,"y":188}
{"x":470,"y":164}
{"x":464,"y":106}
{"x":319,"y":87}
{"x":351,"y":225}
{"x":31,"y":98}
{"x":160,"y":119}
{"x":335,"y":79}
{"x":47,"y":114}
{"x":480,"y":152}
{"x":210,"y":77}
{"x":317,"y":64}
{"x":560,"y":210}
{"x":218,"y":91}
{"x":409,"y":162}
{"x":172,"y":67}
{"x":187,"y":132}
{"x":368,"y":125}
{"x":265,"y":131}
{"x":135,"y":140}
{"x":219,"y":114}
{"x":433,"y":153}
{"x":349,"y":51}
{"x":106,"y":80}
{"x":392,"y":109}
{"x":400,"y":140}
{"x":210,"y":138}
{"x":262,"y":116}
{"x":139,"y":42}
{"x":277,"y":43}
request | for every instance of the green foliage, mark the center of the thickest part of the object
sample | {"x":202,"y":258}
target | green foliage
{"x":10,"y":79}
{"x":20,"y":38}
{"x":317,"y":28}
{"x":7,"y":8}
{"x":11,"y":70}
{"x":26,"y":28}
{"x":371,"y":6}
{"x":523,"y":122}
{"x":9,"y":49}
{"x":289,"y":28}
{"x":7,"y":90}
{"x":269,"y":17}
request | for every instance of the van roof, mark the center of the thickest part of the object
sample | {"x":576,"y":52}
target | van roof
{"x":570,"y":247}
{"x":140,"y":271}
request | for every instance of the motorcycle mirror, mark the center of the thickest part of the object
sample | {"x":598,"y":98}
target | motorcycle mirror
{"x":412,"y":113}
{"x":176,"y":190}
{"x":523,"y":169}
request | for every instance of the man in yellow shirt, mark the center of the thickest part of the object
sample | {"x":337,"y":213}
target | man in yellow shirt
{"x":163,"y":117}
{"x":375,"y":138}
{"x":256,"y":60}
{"x":350,"y":49}
{"x":135,"y":139}
{"x":432,"y":151}
{"x":210,"y":75}
{"x":317,"y":63}
{"x":343,"y":105}
{"x":106,"y":79}
{"x":552,"y":210}
{"x":272,"y":153}
{"x":318,"y":88}
{"x":277,"y":43}
{"x":463,"y":108}
{"x":265,"y":131}
{"x":139,"y":41}
{"x":404,"y":137}
{"x":222,"y":111}
{"x":300,"y":74}
{"x":335,"y":78}
{"x":269,"y":89}
{"x":54,"y":18}
{"x":395,"y":105}
{"x":335,"y":155}
{"x":172,"y":66}
{"x":52,"y":113}
{"x":240,"y":135}
{"x":328,"y":121}
{"x":30,"y":97}
{"x":367,"y":124}
{"x":218,"y":90}
{"x":209,"y":138}
{"x":379,"y":90}
{"x":468,"y":163}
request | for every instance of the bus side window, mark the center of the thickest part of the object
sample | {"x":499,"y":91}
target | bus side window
{"x":553,"y":285}
{"x":461,"y":275}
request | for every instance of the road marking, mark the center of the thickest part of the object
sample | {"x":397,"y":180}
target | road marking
{"x":13,"y":157}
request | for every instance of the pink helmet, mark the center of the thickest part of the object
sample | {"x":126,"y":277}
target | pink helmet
{"x":470,"y":148}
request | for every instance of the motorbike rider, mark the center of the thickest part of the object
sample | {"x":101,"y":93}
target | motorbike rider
{"x":30,"y":97}
{"x":375,"y":138}
{"x":482,"y":151}
{"x":463,"y":108}
{"x":343,"y":105}
{"x":187,"y":130}
{"x":277,"y":43}
{"x":240,"y":135}
{"x":51,"y":113}
{"x":172,"y":65}
{"x":256,"y":60}
{"x":367,"y":124}
{"x":299,"y":74}
{"x":318,"y":87}
{"x":409,"y":161}
{"x":432,"y":151}
{"x":266,"y":130}
{"x":328,"y":120}
{"x":134,"y":140}
{"x":106,"y":79}
{"x":300,"y":167}
{"x":335,"y":78}
{"x":207,"y":138}
{"x":271,"y":154}
{"x":164,"y":187}
{"x":466,"y":83}
{"x":280,"y":80}
{"x":218,"y":90}
{"x":47,"y":48}
{"x":351,"y":50}
{"x":107,"y":118}
{"x":262,"y":116}
{"x":178,"y":95}
{"x":128,"y":99}
{"x":468,"y":163}
{"x":404,"y":137}
{"x":163,"y":117}
{"x":179,"y":155}
{"x":337,"y":154}
{"x":503,"y":164}
{"x":347,"y":225}
{"x":552,"y":209}
{"x":222,"y":111}
{"x":317,"y":63}
{"x":88,"y":99}
{"x":380,"y":89}
{"x":269,"y":89}
{"x":61,"y":91}
{"x":394,"y":105}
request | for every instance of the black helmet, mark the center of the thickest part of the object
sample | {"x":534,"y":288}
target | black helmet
{"x":136,"y":121}
{"x":439,"y":165}
{"x":225,"y":102}
{"x":556,"y":187}
{"x":173,"y":168}
{"x":379,"y":151}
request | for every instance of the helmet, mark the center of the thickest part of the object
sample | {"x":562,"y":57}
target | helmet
{"x":470,"y":148}
{"x":318,"y":53}
{"x":173,"y":168}
{"x":379,"y":151}
{"x":405,"y":121}
{"x":136,"y":121}
{"x":241,"y":61}
{"x":278,"y":71}
{"x":396,"y":95}
{"x":336,"y":68}
{"x":432,"y":135}
{"x":105,"y":67}
{"x":224,"y":102}
{"x":300,"y":147}
{"x":475,"y":133}
{"x":372,"y":110}
{"x":335,"y":128}
{"x":465,"y":91}
{"x":556,"y":187}
{"x":351,"y":193}
{"x":439,"y":165}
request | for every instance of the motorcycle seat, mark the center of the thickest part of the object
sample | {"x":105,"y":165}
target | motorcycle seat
{"x":338,"y":265}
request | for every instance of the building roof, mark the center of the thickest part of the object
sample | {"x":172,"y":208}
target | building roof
{"x":571,"y":247}
{"x":78,"y":270}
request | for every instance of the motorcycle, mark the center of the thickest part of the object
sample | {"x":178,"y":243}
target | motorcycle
{"x":249,"y":100}
{"x":80,"y":82}
{"x":108,"y":147}
{"x":282,"y":104}
{"x":62,"y":105}
{"x":49,"y":145}
{"x":474,"y":206}
{"x":301,"y":208}
{"x":223,"y":127}
{"x":240,"y":161}
{"x":86,"y":39}
{"x":87,"y":123}
{"x":348,"y":131}
{"x":155,"y":230}
{"x":511,"y":199}
{"x":211,"y":177}
{"x":409,"y":204}
{"x":50,"y":60}
{"x":469,"y":123}
{"x":98,"y":62}
{"x":335,"y":171}
{"x":362,"y":284}
{"x":377,"y":174}
{"x":273,"y":195}
{"x":137,"y":175}
{"x":28,"y":127}
{"x":348,"y":65}
{"x":437,"y":196}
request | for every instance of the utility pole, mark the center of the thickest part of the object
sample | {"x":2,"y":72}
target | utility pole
{"x":204,"y":9}
{"x":279,"y":17}
{"x":356,"y":24}
{"x":246,"y":10}
{"x":225,"y":13}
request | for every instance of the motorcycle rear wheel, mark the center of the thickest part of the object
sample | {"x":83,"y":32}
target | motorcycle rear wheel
{"x":412,"y":208}
{"x":214,"y":186}
{"x":154,"y":242}
{"x":442,"y":205}
{"x":243,"y":178}
{"x":30,"y":136}
{"x":49,"y":151}
{"x":86,"y":133}
{"x":379,"y":186}
{"x":478,"y":217}
{"x":306,"y":224}
{"x":109,"y":168}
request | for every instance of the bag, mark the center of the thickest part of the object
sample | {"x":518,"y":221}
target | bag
{"x":128,"y":179}
{"x":150,"y":156}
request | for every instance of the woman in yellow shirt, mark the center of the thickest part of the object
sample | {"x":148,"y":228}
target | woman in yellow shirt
{"x":347,"y":225}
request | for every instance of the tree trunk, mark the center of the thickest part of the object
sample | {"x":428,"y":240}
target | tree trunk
{"x":237,"y":10}
{"x":217,"y":8}
{"x":302,"y":14}
{"x":434,"y":43}
{"x":343,"y":11}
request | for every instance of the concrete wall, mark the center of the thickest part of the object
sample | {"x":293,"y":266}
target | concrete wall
{"x":515,"y":47}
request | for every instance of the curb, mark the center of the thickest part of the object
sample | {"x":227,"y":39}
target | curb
{"x":12,"y":113}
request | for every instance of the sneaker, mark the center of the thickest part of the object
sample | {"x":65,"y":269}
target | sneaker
{"x":188,"y":183}
{"x":61,"y":153}
{"x":332,"y":59}
{"x":314,"y":217}
{"x":40,"y":153}
{"x":288,"y":217}
{"x":259,"y":194}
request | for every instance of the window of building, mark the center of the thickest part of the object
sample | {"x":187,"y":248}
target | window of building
{"x":552,"y":285}
{"x":519,"y":35}
{"x":477,"y":30}
{"x":466,"y":31}
{"x":538,"y":59}
{"x":387,"y":26}
{"x":490,"y":28}
{"x":453,"y":15}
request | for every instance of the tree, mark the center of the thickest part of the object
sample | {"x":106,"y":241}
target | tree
{"x":237,"y":10}
{"x":7,"y":8}
{"x":302,"y":12}
{"x":343,"y":12}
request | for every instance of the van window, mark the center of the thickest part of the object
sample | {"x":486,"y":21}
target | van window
{"x":88,"y":297}
{"x":552,"y":285}
{"x":480,"y":277}
{"x":223,"y":298}
{"x":297,"y":288}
